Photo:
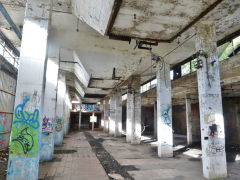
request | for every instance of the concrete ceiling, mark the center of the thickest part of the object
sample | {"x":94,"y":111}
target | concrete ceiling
{"x":140,"y":19}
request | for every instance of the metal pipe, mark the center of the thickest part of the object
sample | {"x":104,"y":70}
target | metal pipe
{"x":10,"y":21}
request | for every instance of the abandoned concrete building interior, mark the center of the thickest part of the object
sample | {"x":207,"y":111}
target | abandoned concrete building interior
{"x":119,"y":89}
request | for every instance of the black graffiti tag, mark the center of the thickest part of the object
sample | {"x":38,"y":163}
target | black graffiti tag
{"x":25,"y":140}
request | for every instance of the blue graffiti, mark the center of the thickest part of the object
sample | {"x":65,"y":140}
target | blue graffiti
{"x":166,"y":117}
{"x":31,"y":119}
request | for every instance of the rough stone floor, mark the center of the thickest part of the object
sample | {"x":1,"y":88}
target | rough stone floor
{"x":79,"y":157}
{"x":73,"y":161}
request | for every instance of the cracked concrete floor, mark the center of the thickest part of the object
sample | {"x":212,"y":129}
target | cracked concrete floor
{"x":184,"y":166}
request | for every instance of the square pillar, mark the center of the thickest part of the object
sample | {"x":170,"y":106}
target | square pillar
{"x":50,"y":98}
{"x":112,"y":115}
{"x":137,"y":104}
{"x":27,"y":118}
{"x":155,"y":120}
{"x":164,"y":111}
{"x":106,"y":115}
{"x":130,"y":115}
{"x":60,"y":109}
{"x":189,"y":119}
{"x":118,"y":114}
{"x":80,"y":119}
{"x":210,"y":103}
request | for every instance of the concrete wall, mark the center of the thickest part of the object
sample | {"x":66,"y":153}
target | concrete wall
{"x":8,"y":82}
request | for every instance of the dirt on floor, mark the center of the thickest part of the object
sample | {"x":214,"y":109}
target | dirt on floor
{"x":3,"y":163}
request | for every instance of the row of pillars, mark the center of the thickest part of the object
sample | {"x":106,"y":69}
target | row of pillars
{"x":42,"y":103}
{"x":210,"y":104}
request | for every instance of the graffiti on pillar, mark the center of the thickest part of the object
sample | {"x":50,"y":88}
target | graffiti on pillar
{"x":28,"y":118}
{"x":3,"y":122}
{"x":47,"y":127}
{"x":213,"y":130}
{"x":215,"y":148}
{"x":166,"y":119}
{"x":59,"y":124}
{"x":25,"y":129}
{"x":25,"y":139}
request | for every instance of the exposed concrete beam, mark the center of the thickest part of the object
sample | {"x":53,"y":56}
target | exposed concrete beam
{"x":70,"y":62}
{"x":95,"y":13}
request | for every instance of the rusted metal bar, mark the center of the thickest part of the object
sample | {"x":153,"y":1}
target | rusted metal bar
{"x":8,"y":92}
{"x":7,"y":112}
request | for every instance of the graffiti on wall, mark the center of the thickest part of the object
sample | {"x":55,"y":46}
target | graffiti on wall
{"x":166,"y":118}
{"x":25,"y":131}
{"x":215,"y":146}
{"x":3,"y":122}
{"x":47,"y":127}
{"x":59,"y":124}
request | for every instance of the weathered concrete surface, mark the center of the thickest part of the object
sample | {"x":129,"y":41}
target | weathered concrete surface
{"x":80,"y":163}
{"x":112,"y":115}
{"x":130,"y":115}
{"x":95,"y":13}
{"x":210,"y":101}
{"x":59,"y":126}
{"x":136,"y":121}
{"x":142,"y":161}
{"x":27,"y":119}
{"x":189,"y":119}
{"x":164,"y":111}
{"x":50,"y":100}
{"x":118,"y":114}
{"x":106,"y":115}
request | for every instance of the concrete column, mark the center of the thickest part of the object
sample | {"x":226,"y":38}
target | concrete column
{"x":66,"y":113}
{"x":130,"y":115}
{"x":189,"y":119}
{"x":164,"y":111}
{"x":210,"y":103}
{"x":118,"y":114}
{"x":60,"y":109}
{"x":27,"y":119}
{"x":155,"y":120}
{"x":112,"y":115}
{"x":136,"y":125}
{"x":106,"y":115}
{"x":80,"y":119}
{"x":49,"y":112}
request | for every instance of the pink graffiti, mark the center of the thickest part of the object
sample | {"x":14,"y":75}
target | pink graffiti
{"x":3,"y":119}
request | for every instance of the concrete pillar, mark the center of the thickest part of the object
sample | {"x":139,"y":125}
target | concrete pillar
{"x":50,"y":98}
{"x":155,"y":120}
{"x":118,"y":114}
{"x":60,"y":109}
{"x":136,"y":123}
{"x":189,"y":119}
{"x":106,"y":115}
{"x":112,"y":115}
{"x":80,"y":120}
{"x":66,"y":113}
{"x":130,"y":115}
{"x":210,"y":103}
{"x":27,"y":119}
{"x":164,"y":111}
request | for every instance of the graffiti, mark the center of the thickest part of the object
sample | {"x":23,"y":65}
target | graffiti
{"x":47,"y":126}
{"x":25,"y":130}
{"x":3,"y":122}
{"x":213,"y":130}
{"x":215,"y":148}
{"x":25,"y":139}
{"x":25,"y":117}
{"x":167,"y":119}
{"x":59,"y":124}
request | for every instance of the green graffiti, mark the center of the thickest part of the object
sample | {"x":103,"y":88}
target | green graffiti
{"x":24,"y":139}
